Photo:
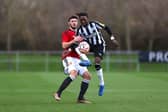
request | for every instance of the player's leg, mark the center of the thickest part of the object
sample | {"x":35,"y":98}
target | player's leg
{"x":100,"y":75}
{"x":65,"y":84}
{"x":70,"y":64}
{"x":85,"y":61}
{"x":98,"y":53}
{"x":84,"y":84}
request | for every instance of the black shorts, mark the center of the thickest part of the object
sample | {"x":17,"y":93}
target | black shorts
{"x":98,"y":50}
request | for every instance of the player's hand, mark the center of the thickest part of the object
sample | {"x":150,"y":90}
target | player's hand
{"x":114,"y":41}
{"x":112,"y":38}
{"x":78,"y":38}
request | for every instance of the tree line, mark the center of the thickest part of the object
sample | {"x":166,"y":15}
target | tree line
{"x":38,"y":24}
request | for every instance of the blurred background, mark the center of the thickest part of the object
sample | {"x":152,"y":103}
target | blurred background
{"x":136,"y":74}
{"x":34,"y":27}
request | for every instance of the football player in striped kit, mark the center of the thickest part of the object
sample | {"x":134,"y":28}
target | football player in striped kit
{"x":91,"y":32}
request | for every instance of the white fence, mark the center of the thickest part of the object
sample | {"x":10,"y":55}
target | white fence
{"x":126,"y":58}
{"x":51,"y":61}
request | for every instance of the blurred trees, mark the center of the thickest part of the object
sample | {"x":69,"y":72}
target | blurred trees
{"x":38,"y":24}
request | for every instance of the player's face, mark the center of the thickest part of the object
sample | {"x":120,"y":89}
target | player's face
{"x":73,"y":23}
{"x":83,"y":20}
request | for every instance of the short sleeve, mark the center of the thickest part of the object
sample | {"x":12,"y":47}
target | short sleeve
{"x":65,"y":37}
{"x":99,"y":25}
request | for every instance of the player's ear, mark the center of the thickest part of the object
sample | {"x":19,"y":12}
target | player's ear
{"x":68,"y":23}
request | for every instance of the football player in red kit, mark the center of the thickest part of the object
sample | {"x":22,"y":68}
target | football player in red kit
{"x":71,"y":62}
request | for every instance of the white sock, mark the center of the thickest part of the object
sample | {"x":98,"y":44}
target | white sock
{"x":100,"y":76}
{"x":83,"y":56}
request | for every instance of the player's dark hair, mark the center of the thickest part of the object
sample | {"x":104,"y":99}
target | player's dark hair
{"x":82,"y":14}
{"x":72,"y":17}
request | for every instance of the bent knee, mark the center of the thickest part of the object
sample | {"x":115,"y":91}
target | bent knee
{"x":87,"y":76}
{"x":73,"y":74}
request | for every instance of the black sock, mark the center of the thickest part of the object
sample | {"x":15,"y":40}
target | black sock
{"x":84,"y":87}
{"x":64,"y":84}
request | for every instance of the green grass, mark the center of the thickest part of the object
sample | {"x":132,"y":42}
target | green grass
{"x":124,"y":92}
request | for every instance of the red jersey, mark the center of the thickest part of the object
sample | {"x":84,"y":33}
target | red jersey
{"x":67,"y":36}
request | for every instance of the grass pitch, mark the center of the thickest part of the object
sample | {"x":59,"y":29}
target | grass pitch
{"x":124,"y":92}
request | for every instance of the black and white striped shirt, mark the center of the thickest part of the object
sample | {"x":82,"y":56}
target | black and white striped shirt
{"x":91,"y":33}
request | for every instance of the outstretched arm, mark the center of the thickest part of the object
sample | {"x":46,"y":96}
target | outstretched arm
{"x":108,"y":30}
{"x":114,"y":41}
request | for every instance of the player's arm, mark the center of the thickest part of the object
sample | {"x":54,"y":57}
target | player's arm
{"x":108,"y":30}
{"x":66,"y":45}
{"x":112,"y":38}
{"x":72,"y":42}
{"x":115,"y":42}
{"x":100,"y":26}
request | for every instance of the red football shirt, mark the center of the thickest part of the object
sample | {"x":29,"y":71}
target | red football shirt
{"x":67,"y":36}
